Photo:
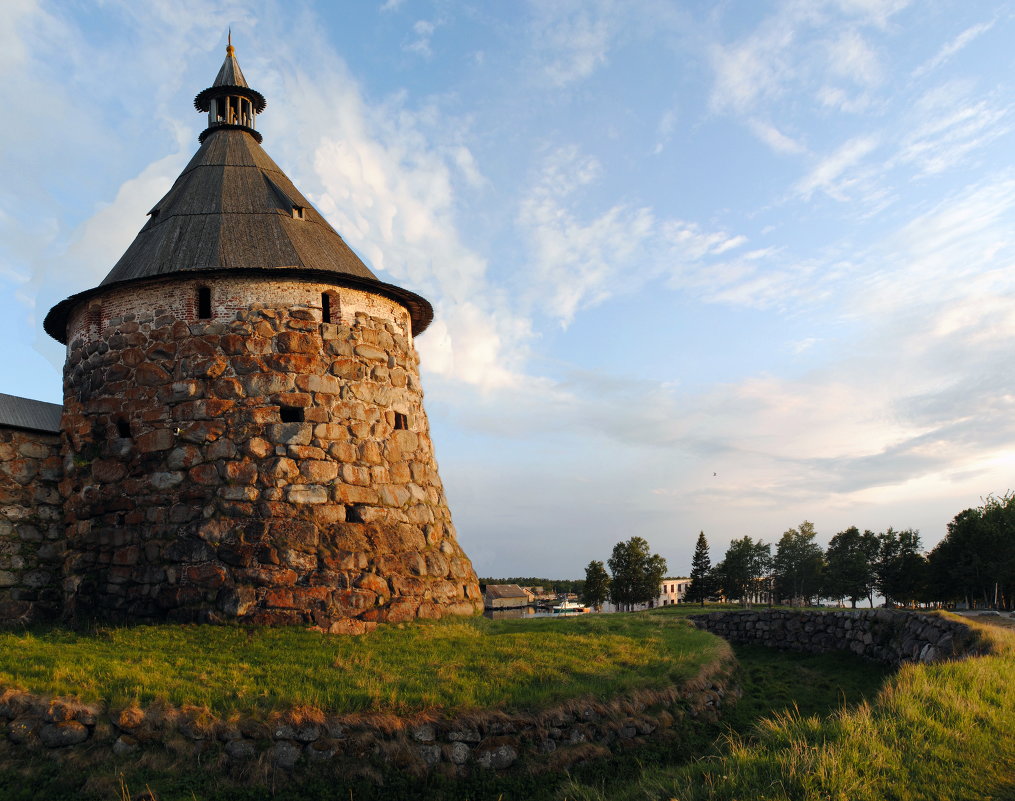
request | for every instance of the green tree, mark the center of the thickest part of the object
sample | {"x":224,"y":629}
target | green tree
{"x":901,"y":568}
{"x":850,"y":565}
{"x":637,"y":573}
{"x":701,"y":572}
{"x":597,"y":585}
{"x":743,"y":572}
{"x":798,"y":564}
{"x":975,"y":562}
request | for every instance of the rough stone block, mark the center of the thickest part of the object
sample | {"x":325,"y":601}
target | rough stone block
{"x":290,"y":433}
{"x":306,"y":493}
{"x":161,"y":439}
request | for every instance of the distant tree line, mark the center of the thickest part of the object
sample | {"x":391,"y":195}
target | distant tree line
{"x":974,"y":564}
{"x":555,"y":586}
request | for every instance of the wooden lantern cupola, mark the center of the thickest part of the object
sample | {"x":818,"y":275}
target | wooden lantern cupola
{"x":229,"y":102}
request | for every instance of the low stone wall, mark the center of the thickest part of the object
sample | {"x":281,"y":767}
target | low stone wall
{"x":31,"y":528}
{"x":362,"y":744}
{"x":890,"y":636}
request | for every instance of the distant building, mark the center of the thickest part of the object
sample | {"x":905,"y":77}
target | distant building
{"x":672,"y":591}
{"x":505,"y":596}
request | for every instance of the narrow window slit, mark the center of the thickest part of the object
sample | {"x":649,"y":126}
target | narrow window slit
{"x":123,"y":429}
{"x":401,"y":422}
{"x":352,"y":514}
{"x":204,"y":303}
{"x":325,"y":307}
{"x":291,"y":414}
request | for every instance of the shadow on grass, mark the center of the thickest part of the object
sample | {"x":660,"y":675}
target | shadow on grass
{"x":772,"y":682}
{"x":816,"y":684}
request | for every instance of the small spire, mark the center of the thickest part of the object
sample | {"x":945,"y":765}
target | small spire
{"x":229,"y":101}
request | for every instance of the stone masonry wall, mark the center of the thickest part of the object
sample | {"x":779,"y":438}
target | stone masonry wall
{"x":891,"y":636}
{"x":31,"y":529}
{"x":189,"y":497}
{"x":359,"y":744}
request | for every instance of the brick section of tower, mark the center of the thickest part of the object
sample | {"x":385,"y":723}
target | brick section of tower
{"x":188,"y":497}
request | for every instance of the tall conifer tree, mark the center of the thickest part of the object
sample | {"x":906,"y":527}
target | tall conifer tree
{"x":701,"y":572}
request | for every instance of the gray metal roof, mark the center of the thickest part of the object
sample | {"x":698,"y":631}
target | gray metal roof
{"x":34,"y":415}
{"x":233,"y":210}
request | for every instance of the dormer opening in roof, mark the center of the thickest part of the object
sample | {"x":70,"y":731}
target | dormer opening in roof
{"x":229,"y":102}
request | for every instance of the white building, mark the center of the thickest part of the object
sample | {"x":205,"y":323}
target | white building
{"x":672,"y":591}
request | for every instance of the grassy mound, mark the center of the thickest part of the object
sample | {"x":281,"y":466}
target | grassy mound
{"x":445,"y":666}
{"x":933,"y":732}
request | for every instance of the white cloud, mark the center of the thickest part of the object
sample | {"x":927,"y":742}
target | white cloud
{"x":579,"y":260}
{"x":837,"y":98}
{"x":952,"y":47}
{"x":851,"y":57}
{"x":423,"y":31}
{"x":102,"y":239}
{"x":779,"y":53}
{"x":835,"y":175}
{"x":751,"y":70}
{"x":931,"y":260}
{"x":948,"y":123}
{"x":19,"y":18}
{"x":664,"y":130}
{"x":774,"y":138}
{"x":803,"y":345}
{"x":572,"y":39}
{"x":872,"y":12}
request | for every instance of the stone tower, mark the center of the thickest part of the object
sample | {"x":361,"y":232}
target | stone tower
{"x":243,"y":428}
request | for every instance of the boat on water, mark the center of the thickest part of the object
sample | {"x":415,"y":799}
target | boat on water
{"x":570,"y":608}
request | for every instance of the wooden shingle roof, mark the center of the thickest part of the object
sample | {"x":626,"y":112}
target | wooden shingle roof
{"x":229,"y":73}
{"x":504,"y":591}
{"x":233,"y":210}
{"x":232,"y":207}
{"x":229,"y":80}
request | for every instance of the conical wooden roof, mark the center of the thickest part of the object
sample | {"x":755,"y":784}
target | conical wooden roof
{"x":233,"y":210}
{"x":230,"y":73}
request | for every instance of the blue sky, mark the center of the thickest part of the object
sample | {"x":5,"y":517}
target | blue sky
{"x":696,"y":265}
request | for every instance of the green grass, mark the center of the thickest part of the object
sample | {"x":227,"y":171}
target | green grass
{"x":933,"y":732}
{"x":445,"y":665}
{"x":825,"y":727}
{"x":816,"y":684}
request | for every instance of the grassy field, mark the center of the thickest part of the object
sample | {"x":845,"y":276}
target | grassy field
{"x":773,"y":682}
{"x":444,"y":665}
{"x":828,"y":727}
{"x":932,"y":732}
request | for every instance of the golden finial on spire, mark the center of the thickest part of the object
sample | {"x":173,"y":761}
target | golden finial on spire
{"x":230,"y":50}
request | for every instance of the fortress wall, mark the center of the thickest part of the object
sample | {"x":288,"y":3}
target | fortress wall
{"x":189,"y":497}
{"x":31,"y":530}
{"x":891,"y":636}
